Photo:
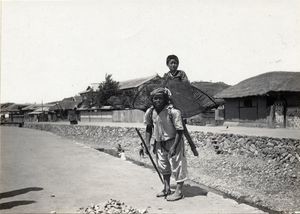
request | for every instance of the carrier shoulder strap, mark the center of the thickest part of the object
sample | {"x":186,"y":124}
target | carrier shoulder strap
{"x":151,"y":114}
{"x":170,"y":114}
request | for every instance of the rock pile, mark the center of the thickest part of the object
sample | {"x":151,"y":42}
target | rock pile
{"x":111,"y":207}
{"x":284,"y":151}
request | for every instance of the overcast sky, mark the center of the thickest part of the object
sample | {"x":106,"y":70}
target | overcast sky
{"x":54,"y":49}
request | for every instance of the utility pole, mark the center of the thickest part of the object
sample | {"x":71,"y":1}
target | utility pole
{"x":42,"y":111}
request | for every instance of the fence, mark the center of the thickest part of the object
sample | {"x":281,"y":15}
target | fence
{"x":128,"y":116}
{"x":99,"y":116}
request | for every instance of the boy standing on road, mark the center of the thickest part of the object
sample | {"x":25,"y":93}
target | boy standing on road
{"x":165,"y":123}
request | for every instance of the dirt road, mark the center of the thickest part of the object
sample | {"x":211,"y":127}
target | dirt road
{"x":42,"y":172}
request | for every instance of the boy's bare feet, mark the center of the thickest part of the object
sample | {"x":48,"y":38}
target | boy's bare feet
{"x":175,"y":196}
{"x":163,"y":193}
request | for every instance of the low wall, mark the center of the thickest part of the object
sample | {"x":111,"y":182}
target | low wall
{"x":129,"y":116}
{"x":260,"y":170}
{"x":100,"y":116}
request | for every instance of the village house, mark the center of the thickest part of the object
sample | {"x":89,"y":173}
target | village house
{"x":63,"y":108}
{"x":208,"y":117}
{"x":12,"y":112}
{"x":89,"y":97}
{"x":90,"y":112}
{"x":3,"y":110}
{"x":38,"y":112}
{"x":271,"y":99}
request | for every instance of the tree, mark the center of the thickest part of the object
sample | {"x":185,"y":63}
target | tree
{"x":107,"y":88}
{"x":115,"y":101}
{"x":127,"y":98}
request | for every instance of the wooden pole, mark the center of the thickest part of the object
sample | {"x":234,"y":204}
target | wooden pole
{"x":189,"y":140}
{"x":147,"y":151}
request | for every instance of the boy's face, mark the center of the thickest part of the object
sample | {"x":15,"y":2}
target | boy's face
{"x":159,"y":101}
{"x":173,"y":65}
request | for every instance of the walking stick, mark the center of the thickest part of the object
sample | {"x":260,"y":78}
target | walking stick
{"x":147,"y":151}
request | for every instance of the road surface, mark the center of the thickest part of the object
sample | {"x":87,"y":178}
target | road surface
{"x":42,"y":172}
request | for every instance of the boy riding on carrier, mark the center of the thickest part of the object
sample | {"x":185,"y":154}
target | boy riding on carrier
{"x":165,"y":123}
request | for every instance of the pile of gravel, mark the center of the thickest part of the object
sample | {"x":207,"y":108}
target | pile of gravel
{"x":111,"y":207}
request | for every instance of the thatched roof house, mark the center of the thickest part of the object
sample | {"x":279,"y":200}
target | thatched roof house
{"x":263,"y":84}
{"x":269,"y":96}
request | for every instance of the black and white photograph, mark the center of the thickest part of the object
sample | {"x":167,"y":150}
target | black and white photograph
{"x":150,"y":107}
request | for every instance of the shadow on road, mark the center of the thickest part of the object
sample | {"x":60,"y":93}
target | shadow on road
{"x":19,"y":192}
{"x":11,"y":204}
{"x":192,"y":191}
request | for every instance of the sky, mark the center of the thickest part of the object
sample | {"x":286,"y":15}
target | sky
{"x":51,"y":50}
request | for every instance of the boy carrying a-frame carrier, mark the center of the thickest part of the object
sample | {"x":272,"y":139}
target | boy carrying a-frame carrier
{"x":165,"y":123}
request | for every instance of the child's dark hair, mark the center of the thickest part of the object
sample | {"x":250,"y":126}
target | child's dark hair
{"x":172,"y":57}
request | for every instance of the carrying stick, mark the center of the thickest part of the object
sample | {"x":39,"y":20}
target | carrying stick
{"x":147,"y":151}
{"x":189,"y":140}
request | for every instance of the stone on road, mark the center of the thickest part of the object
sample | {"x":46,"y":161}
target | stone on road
{"x":43,"y":173}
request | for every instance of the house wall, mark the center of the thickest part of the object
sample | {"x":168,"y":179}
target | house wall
{"x":236,"y":108}
{"x":263,"y":109}
{"x":293,"y":99}
{"x":293,"y":110}
{"x":248,"y":113}
{"x":231,"y":109}
{"x":258,"y":110}
{"x":202,"y":119}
